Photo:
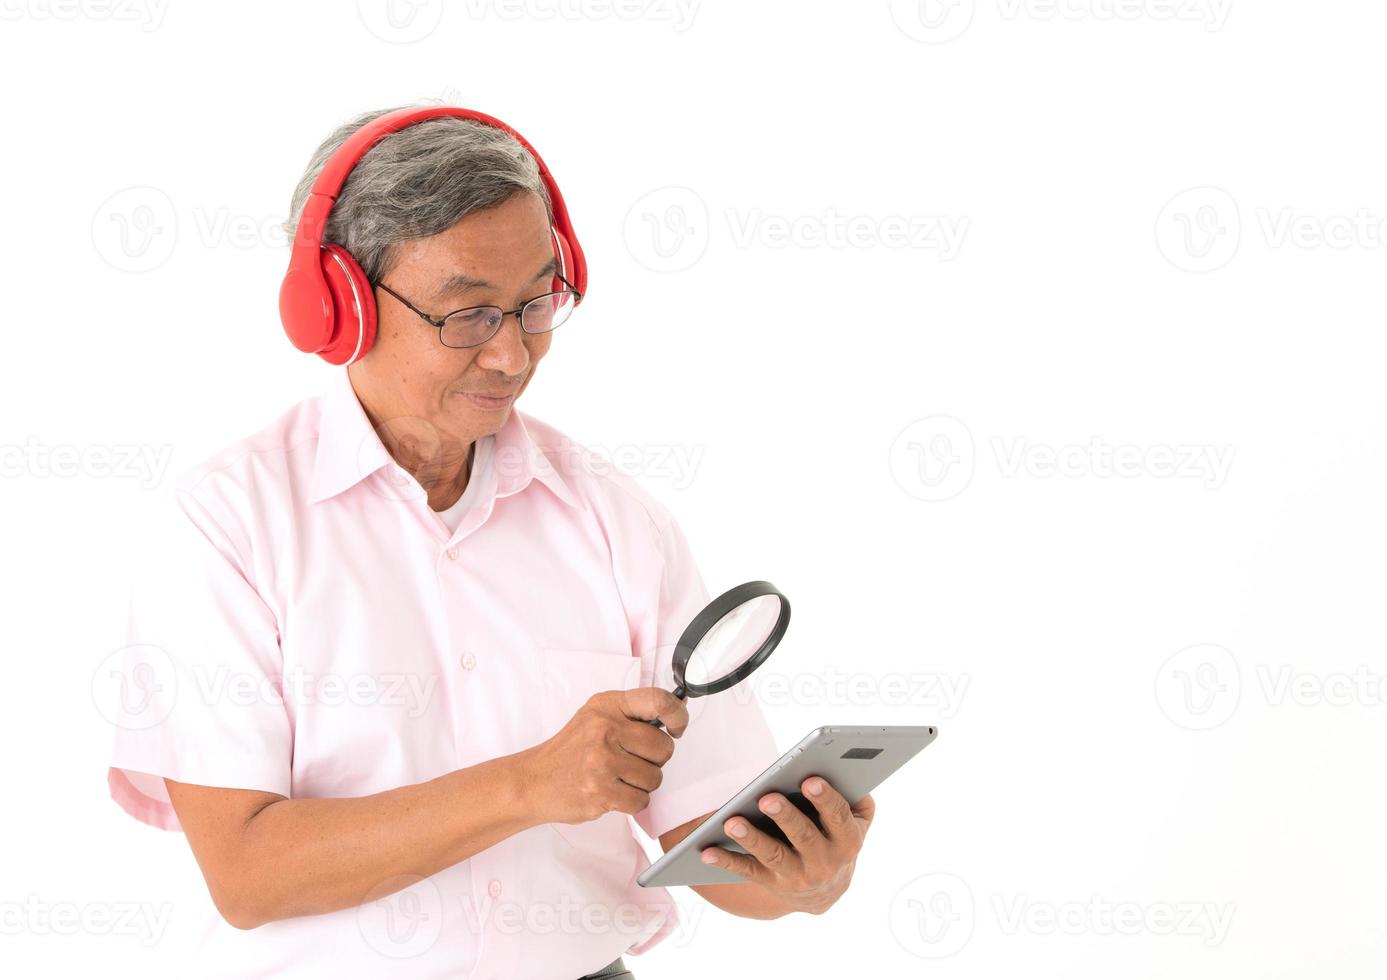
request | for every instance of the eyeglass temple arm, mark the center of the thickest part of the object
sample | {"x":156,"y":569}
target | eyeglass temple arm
{"x":417,"y":312}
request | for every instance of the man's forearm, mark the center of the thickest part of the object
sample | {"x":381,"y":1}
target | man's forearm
{"x":748,"y":900}
{"x":267,"y":858}
{"x":309,"y":856}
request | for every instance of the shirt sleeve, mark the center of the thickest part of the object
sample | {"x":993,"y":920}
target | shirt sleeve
{"x":197,"y":689}
{"x":727,"y":743}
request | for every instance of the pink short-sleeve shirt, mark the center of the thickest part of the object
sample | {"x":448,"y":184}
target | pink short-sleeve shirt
{"x":302,"y":623}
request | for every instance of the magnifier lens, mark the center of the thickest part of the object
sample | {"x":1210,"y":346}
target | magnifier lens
{"x":733,"y":640}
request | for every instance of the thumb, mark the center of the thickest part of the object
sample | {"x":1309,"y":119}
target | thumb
{"x":654,"y":703}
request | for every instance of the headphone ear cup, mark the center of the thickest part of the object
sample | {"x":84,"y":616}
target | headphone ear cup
{"x":353,"y":304}
{"x":305,"y":309}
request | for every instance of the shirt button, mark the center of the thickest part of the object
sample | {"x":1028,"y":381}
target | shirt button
{"x":469,"y":661}
{"x":452,"y":552}
{"x":494,"y":888}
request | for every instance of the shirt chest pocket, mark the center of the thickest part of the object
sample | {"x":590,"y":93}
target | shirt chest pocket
{"x":571,"y":676}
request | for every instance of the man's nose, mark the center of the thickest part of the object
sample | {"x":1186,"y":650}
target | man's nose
{"x":506,"y":352}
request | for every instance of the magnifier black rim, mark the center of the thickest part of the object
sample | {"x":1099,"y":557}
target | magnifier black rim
{"x":709,"y":617}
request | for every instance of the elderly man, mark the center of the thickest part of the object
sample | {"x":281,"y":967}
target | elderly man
{"x":397,"y":653}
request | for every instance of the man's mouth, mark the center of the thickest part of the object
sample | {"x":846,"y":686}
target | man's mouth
{"x":489,"y":401}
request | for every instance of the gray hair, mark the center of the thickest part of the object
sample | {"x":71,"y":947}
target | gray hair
{"x":417,"y":182}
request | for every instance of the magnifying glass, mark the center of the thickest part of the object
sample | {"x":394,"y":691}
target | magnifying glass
{"x":730,"y":638}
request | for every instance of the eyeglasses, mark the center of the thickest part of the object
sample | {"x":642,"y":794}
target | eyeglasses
{"x":475,"y":325}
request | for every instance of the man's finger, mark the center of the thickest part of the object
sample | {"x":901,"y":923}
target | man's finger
{"x":772,"y":854}
{"x":834,"y":812}
{"x":743,"y":864}
{"x":797,"y":827}
{"x":645,"y":740}
{"x":651,"y":703}
{"x":628,"y":799}
{"x":865,"y":810}
{"x":635,"y":771}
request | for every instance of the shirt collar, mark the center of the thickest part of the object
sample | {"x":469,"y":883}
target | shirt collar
{"x":349,"y":449}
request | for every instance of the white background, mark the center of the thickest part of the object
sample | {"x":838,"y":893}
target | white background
{"x":981,"y":464}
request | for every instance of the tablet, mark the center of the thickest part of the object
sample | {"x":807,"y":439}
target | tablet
{"x":853,"y":759}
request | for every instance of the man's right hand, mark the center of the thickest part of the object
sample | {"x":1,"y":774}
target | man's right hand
{"x":607,"y":757}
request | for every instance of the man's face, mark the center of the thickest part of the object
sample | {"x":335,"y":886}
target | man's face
{"x":502,"y":257}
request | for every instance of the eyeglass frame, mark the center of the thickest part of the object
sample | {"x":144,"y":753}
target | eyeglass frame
{"x":439,"y":323}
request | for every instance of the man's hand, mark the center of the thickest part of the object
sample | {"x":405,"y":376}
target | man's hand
{"x":811,"y":874}
{"x":607,"y":757}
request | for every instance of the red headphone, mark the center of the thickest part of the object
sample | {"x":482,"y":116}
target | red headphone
{"x":326,"y":303}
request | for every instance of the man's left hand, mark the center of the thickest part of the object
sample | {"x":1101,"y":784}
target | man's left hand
{"x":811,"y":873}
